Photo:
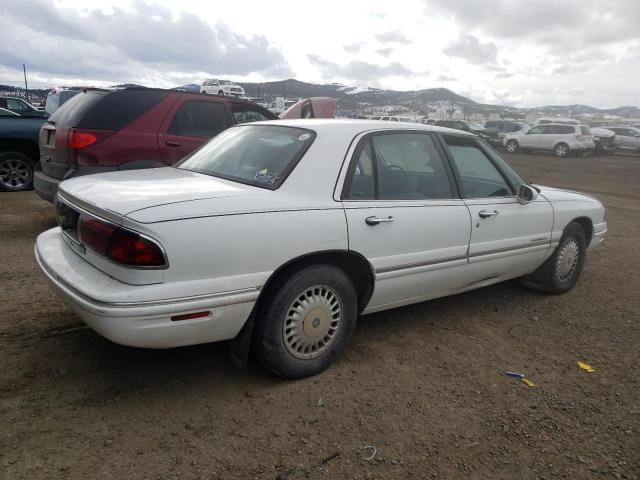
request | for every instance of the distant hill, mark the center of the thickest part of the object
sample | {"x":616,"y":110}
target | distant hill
{"x":358,"y":98}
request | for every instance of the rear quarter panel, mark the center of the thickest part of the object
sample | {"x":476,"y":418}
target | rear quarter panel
{"x":237,"y":251}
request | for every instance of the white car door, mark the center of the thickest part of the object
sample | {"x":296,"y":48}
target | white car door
{"x":405,"y":216}
{"x":533,"y":138}
{"x":508,"y":239}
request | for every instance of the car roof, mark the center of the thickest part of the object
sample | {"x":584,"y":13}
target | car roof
{"x":352,"y":127}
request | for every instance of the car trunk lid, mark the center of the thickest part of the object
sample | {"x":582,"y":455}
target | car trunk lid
{"x":125,"y":192}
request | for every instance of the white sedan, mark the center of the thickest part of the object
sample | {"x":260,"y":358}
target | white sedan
{"x":282,"y":233}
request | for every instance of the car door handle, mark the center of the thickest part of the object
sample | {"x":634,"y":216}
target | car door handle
{"x":172,"y":143}
{"x":487,"y":213}
{"x":375,"y":220}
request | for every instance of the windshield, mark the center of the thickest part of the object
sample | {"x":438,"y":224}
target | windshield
{"x":258,"y":155}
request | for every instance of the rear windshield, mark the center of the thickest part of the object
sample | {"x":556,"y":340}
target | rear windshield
{"x":106,"y":110}
{"x":258,"y":155}
{"x":70,"y":113}
{"x":585,"y":130}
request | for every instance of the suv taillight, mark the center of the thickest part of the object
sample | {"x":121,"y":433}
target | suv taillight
{"x":120,"y":245}
{"x":579,"y":137}
{"x":80,"y":140}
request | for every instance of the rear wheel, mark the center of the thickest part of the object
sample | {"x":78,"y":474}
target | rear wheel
{"x":512,"y":146}
{"x":220,"y":92}
{"x":306,"y":322}
{"x":560,"y":272}
{"x":16,"y":172}
{"x":561,"y":150}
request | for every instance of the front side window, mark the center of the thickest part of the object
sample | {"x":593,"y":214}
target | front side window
{"x":480,"y":177}
{"x":247,"y":114}
{"x":398,"y":166}
{"x":258,"y":155}
{"x":16,"y":105}
{"x":199,"y":119}
{"x":537,"y":130}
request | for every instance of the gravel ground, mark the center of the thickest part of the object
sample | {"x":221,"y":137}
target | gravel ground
{"x":421,"y":384}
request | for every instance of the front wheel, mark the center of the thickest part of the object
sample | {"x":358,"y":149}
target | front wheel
{"x":512,"y":146}
{"x":16,"y":172}
{"x":306,"y":323}
{"x":560,"y":272}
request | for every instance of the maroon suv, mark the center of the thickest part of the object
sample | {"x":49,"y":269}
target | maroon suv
{"x":101,"y":130}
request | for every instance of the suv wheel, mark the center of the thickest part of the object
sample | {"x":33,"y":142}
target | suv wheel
{"x":512,"y":146}
{"x":16,"y":172}
{"x":306,"y":322}
{"x":561,"y":150}
{"x":220,"y":92}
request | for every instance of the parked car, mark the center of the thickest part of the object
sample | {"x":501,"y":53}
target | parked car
{"x":505,"y":126}
{"x":628,"y":138}
{"x":604,"y":140}
{"x":105,"y":130}
{"x":57,"y":97}
{"x":561,"y":139}
{"x":18,"y":151}
{"x":314,"y":107}
{"x":393,"y":118}
{"x":21,"y":107}
{"x":488,"y":135}
{"x":280,"y":234}
{"x":222,"y":87}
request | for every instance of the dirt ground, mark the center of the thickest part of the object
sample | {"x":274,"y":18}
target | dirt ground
{"x":421,"y":384}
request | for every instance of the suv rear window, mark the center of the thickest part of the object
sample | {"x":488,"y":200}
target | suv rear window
{"x":106,"y":110}
{"x":258,"y":155}
{"x":585,"y":130}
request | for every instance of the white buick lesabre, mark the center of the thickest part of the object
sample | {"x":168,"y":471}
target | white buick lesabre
{"x":284,"y":232}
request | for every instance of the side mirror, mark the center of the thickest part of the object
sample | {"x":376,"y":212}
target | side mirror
{"x":526,"y":194}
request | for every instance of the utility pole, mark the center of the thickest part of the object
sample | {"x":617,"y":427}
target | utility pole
{"x":26,"y":89}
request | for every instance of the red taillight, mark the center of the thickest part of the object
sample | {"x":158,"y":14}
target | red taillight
{"x":96,"y":234}
{"x":132,"y":249}
{"x":189,"y":316}
{"x":579,"y":137}
{"x":119,"y":244}
{"x":80,"y":140}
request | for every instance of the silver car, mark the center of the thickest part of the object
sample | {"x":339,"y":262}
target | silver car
{"x":628,"y":138}
{"x":561,"y":139}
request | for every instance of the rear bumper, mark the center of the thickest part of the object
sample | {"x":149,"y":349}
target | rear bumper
{"x":44,"y":185}
{"x":129,"y":321}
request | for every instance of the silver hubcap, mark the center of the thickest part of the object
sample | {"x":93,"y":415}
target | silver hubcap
{"x":511,"y":147}
{"x":561,"y":150}
{"x":14,"y":174}
{"x":312,"y":322}
{"x":567,"y":259}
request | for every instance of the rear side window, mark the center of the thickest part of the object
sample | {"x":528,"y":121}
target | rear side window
{"x":247,"y":114}
{"x":199,"y":119}
{"x":398,"y":166}
{"x":116,"y":110}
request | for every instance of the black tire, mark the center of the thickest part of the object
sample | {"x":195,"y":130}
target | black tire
{"x":550,"y":276}
{"x":561,"y":150}
{"x":16,"y":171}
{"x":274,"y":322}
{"x":220,"y":92}
{"x":512,"y":146}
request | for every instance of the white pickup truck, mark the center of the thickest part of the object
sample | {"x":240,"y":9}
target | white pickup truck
{"x":222,"y":87}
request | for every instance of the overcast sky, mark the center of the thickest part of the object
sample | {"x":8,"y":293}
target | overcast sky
{"x":512,"y":52}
